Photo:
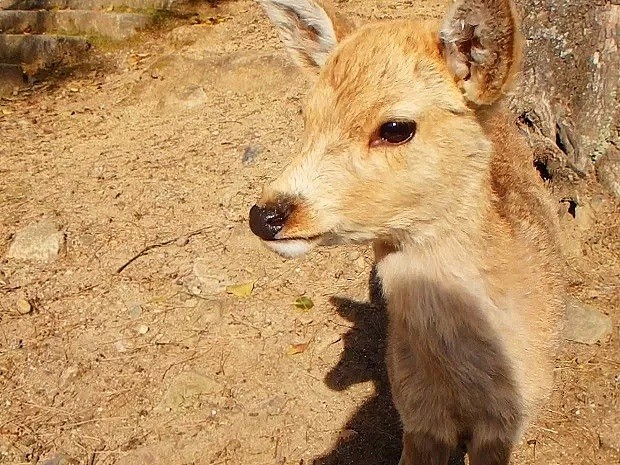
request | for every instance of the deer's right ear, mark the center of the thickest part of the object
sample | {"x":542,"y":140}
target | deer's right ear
{"x":310,"y":29}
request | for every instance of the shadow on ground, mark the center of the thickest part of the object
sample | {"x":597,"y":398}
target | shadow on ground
{"x":377,"y":438}
{"x":376,"y":422}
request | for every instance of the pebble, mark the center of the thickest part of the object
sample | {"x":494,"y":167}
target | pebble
{"x":23,"y":307}
{"x":40,"y":241}
{"x":186,"y":388}
{"x":60,"y":459}
{"x":610,"y":437}
{"x":585,"y":324}
{"x":182,"y":241}
{"x":142,"y":329}
{"x":135,"y":311}
{"x":250,"y":153}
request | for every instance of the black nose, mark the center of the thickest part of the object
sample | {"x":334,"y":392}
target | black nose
{"x":268,"y":221}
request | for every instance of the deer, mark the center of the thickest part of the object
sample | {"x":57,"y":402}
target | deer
{"x":408,"y":145}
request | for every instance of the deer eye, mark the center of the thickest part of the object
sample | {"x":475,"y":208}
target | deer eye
{"x":394,"y":133}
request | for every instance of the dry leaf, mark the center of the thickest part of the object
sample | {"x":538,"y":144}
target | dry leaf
{"x":298,"y":348}
{"x":303,"y":303}
{"x":241,"y":290}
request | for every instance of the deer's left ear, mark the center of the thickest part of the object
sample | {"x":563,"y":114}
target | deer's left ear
{"x":310,"y":29}
{"x":481,"y":44}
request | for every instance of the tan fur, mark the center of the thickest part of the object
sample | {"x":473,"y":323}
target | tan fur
{"x":464,"y":232}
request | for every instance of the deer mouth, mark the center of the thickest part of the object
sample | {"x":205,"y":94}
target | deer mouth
{"x":291,"y":247}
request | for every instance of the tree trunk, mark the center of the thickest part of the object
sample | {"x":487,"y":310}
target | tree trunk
{"x":567,"y":99}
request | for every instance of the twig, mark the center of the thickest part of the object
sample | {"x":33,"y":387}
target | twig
{"x":148,"y":248}
{"x":545,"y":429}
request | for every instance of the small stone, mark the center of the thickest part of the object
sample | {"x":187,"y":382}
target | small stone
{"x":585,"y":324}
{"x":68,"y":376}
{"x":186,"y":98}
{"x":273,"y":406}
{"x":60,"y":459}
{"x":209,"y":280}
{"x":135,"y":311}
{"x":120,"y":346}
{"x":40,"y":241}
{"x":250,"y":153}
{"x":186,"y":388}
{"x":182,"y":241}
{"x":24,"y":307}
{"x":142,"y":329}
{"x":610,"y":437}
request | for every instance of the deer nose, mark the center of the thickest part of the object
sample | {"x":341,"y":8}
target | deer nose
{"x":266,"y":222}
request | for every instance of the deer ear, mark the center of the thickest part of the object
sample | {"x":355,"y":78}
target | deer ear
{"x":481,"y":44}
{"x":310,"y":29}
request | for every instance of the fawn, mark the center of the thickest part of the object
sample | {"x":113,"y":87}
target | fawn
{"x":407,"y":144}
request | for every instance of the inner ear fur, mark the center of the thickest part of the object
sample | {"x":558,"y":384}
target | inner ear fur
{"x":310,"y":29}
{"x":481,"y":43}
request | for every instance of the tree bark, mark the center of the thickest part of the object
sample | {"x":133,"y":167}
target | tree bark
{"x":567,"y":99}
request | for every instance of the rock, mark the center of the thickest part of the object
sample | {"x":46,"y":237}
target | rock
{"x":585,"y":324}
{"x":68,"y":377}
{"x":250,"y":153}
{"x":186,"y":98}
{"x":182,"y":241}
{"x":108,"y":24}
{"x":40,"y":241}
{"x":142,"y":329}
{"x":23,"y":307}
{"x":273,"y":406}
{"x":186,"y":388}
{"x":209,"y":280}
{"x":60,"y":459}
{"x":121,"y":345}
{"x":161,"y":453}
{"x":11,"y":78}
{"x":135,"y":311}
{"x":609,"y":437}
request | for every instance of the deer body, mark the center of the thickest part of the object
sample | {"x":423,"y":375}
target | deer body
{"x":474,"y":318}
{"x":406,"y":144}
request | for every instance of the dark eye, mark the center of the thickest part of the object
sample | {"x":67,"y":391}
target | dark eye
{"x":395,"y":132}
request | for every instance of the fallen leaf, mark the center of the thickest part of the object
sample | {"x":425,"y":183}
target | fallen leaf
{"x":303,"y":303}
{"x":241,"y":290}
{"x":298,"y":348}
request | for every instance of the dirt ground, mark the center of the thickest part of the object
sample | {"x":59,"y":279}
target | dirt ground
{"x":158,"y":363}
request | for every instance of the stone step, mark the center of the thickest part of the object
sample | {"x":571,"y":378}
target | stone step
{"x":114,"y":26}
{"x":40,"y":51}
{"x":11,"y":77}
{"x":107,"y":5}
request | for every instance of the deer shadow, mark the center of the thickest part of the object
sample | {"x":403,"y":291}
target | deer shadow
{"x":378,"y":432}
{"x":377,"y":439}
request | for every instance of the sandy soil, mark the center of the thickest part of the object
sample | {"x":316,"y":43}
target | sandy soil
{"x":157,"y":363}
